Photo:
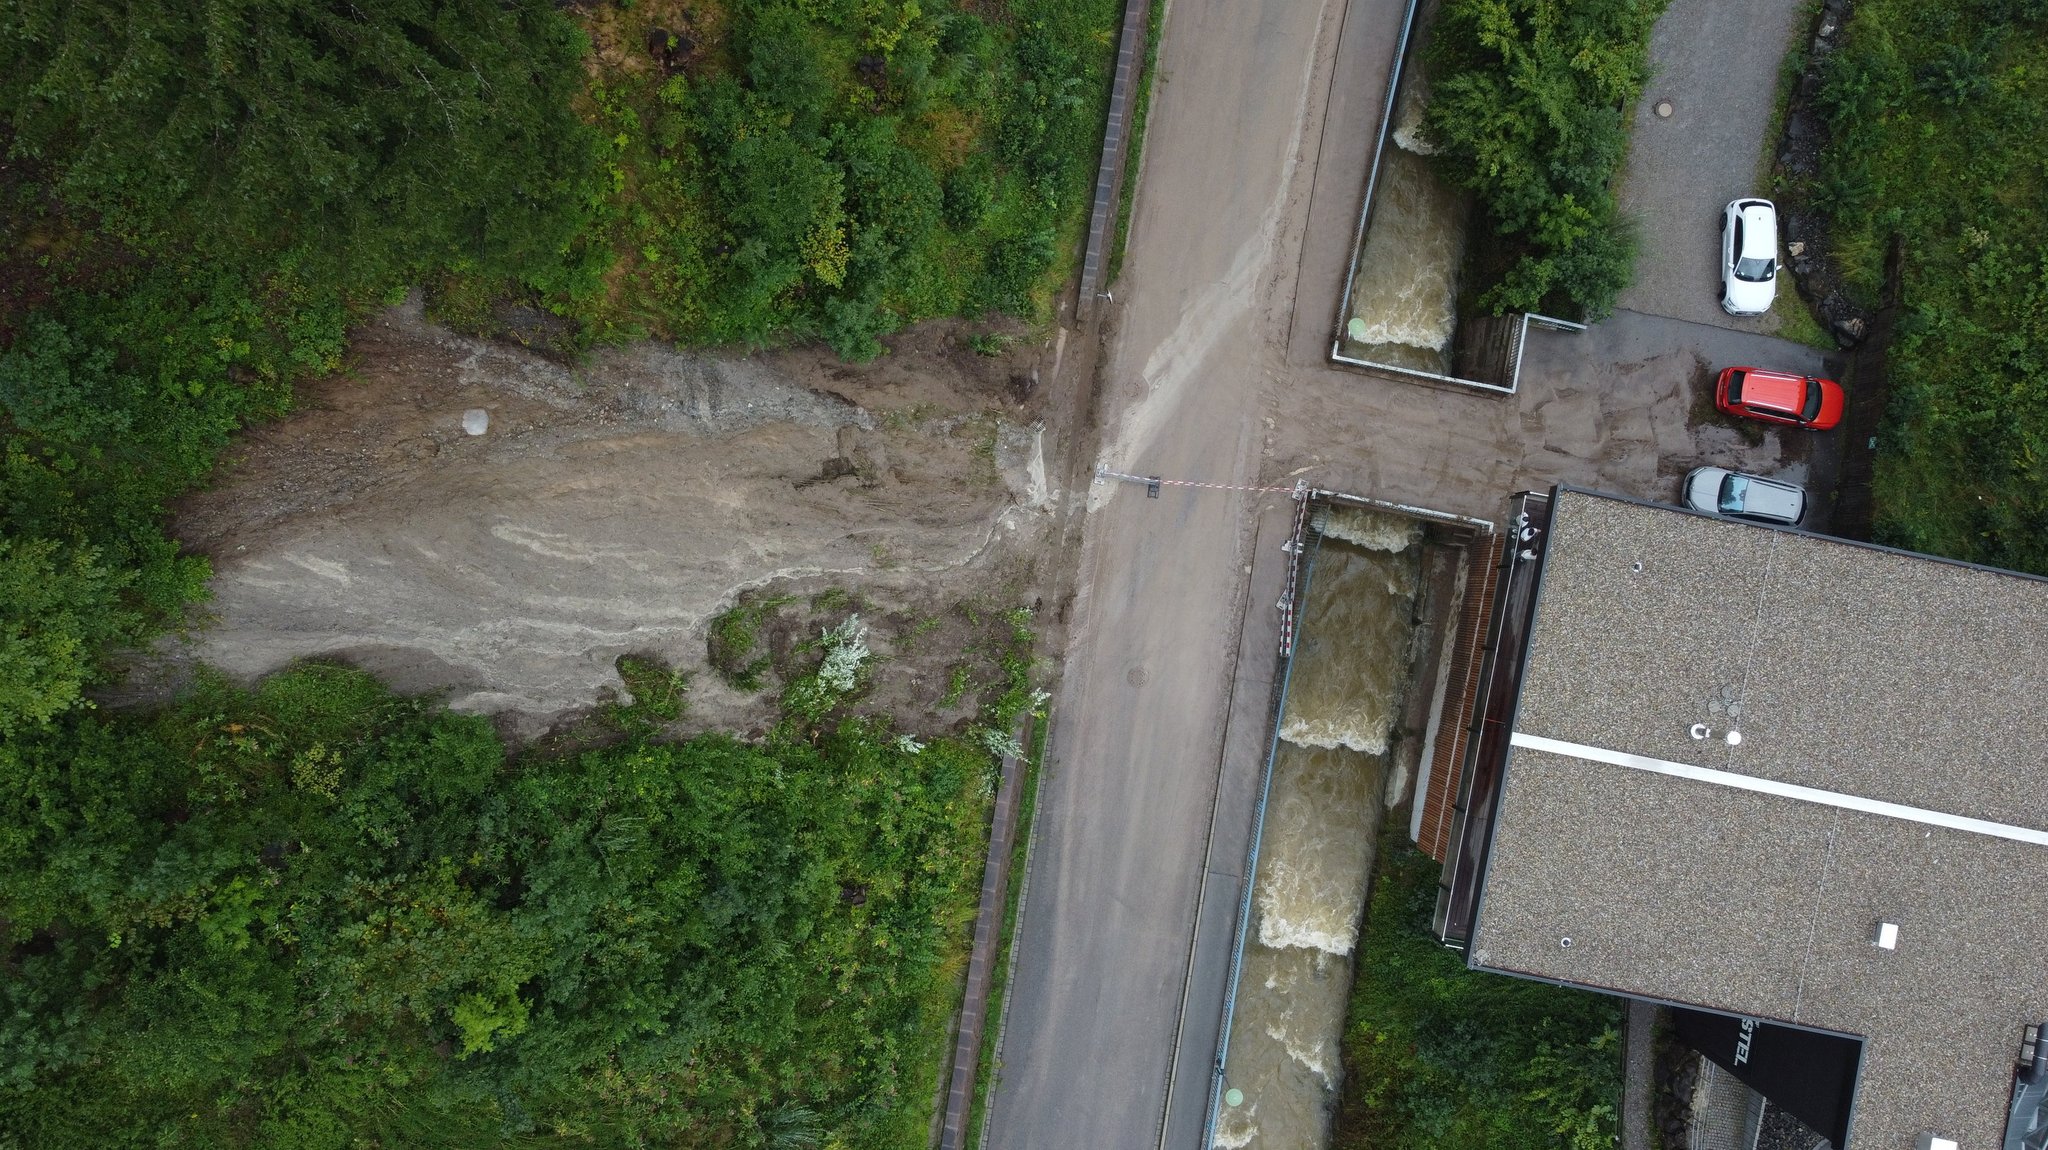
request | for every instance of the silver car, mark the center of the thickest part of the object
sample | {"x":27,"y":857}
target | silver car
{"x":1749,"y":257}
{"x":1719,"y":491}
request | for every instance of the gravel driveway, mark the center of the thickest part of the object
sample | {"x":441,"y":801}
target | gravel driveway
{"x":1715,"y":62}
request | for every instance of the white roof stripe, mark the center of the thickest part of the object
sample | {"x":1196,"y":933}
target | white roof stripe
{"x":1782,"y":790}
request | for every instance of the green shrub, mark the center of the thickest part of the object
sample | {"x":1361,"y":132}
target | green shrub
{"x":839,"y":170}
{"x":316,"y":915}
{"x":1436,"y":1054}
{"x":1527,"y":110}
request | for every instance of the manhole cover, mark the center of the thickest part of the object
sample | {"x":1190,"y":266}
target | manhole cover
{"x":1664,"y":109}
{"x":1138,"y":676}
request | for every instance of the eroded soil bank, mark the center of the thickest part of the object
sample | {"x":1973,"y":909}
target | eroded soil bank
{"x":618,"y":506}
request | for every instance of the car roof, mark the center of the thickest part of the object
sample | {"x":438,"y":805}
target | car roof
{"x":1770,"y":497}
{"x":1760,"y":230}
{"x":1776,"y":390}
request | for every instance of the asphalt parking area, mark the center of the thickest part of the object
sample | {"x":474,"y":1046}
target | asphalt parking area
{"x":1714,"y":69}
{"x":1640,"y":387}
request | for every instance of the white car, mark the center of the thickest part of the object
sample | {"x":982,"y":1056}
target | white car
{"x":1719,"y":491}
{"x":1749,"y":257}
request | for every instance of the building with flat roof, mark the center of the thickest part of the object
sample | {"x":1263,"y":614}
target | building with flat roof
{"x":1795,"y":785}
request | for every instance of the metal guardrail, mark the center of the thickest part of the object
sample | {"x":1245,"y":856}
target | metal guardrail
{"x":1514,"y":372}
{"x":988,"y":937}
{"x":1251,"y":868}
{"x":1109,"y":173}
{"x":1372,"y":176}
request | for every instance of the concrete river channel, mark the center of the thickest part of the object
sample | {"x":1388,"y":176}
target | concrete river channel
{"x":1324,"y":799}
{"x":1402,"y":308}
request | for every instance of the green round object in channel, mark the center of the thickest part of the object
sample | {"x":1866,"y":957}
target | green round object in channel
{"x":1233,"y":1097}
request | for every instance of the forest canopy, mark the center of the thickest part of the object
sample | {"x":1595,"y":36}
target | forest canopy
{"x":316,"y":915}
{"x":196,"y":200}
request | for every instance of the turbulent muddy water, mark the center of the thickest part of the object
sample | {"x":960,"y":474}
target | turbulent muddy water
{"x":1322,"y":811}
{"x":1404,"y":289}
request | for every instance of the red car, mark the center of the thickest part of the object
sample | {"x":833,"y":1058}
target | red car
{"x":1779,"y":397}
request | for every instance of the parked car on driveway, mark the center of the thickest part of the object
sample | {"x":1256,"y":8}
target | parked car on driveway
{"x":1779,"y":397}
{"x":1719,"y":491}
{"x":1749,"y":257}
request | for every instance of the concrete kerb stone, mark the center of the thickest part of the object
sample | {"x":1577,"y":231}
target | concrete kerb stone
{"x":988,"y":929}
{"x":1010,"y":968}
{"x":1110,"y":173}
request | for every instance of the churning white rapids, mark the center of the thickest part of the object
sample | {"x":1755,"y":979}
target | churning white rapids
{"x":1322,"y":815}
{"x":1352,"y":654}
{"x":1404,"y":289}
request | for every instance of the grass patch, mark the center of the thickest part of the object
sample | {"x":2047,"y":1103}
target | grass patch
{"x":1936,"y":113}
{"x":1796,"y":322}
{"x":1436,"y":1054}
{"x":654,"y":695}
{"x":959,"y":680}
{"x":733,"y":643}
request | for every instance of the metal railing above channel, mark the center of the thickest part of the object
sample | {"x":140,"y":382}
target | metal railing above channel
{"x":1513,"y":373}
{"x":1511,"y":376}
{"x":1302,"y":551}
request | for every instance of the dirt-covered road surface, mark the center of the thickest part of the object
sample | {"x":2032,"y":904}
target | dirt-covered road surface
{"x":611,"y":508}
{"x":1217,"y":370}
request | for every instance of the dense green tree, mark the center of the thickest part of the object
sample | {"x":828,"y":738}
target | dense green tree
{"x":316,"y":915}
{"x":1528,"y":111}
{"x":376,"y":139}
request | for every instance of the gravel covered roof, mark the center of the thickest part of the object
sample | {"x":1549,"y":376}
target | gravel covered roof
{"x":1845,"y":668}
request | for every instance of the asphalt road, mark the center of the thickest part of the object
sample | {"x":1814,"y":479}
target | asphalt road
{"x":1124,"y":811}
{"x":1716,"y":63}
{"x":1217,"y":371}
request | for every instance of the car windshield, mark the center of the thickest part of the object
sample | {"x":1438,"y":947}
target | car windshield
{"x":1755,"y":270}
{"x":1734,"y":493}
{"x":1812,"y":410}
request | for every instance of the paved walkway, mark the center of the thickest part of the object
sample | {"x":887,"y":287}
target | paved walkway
{"x":1716,"y":62}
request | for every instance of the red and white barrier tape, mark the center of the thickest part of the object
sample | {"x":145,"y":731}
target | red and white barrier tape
{"x":1102,"y":473}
